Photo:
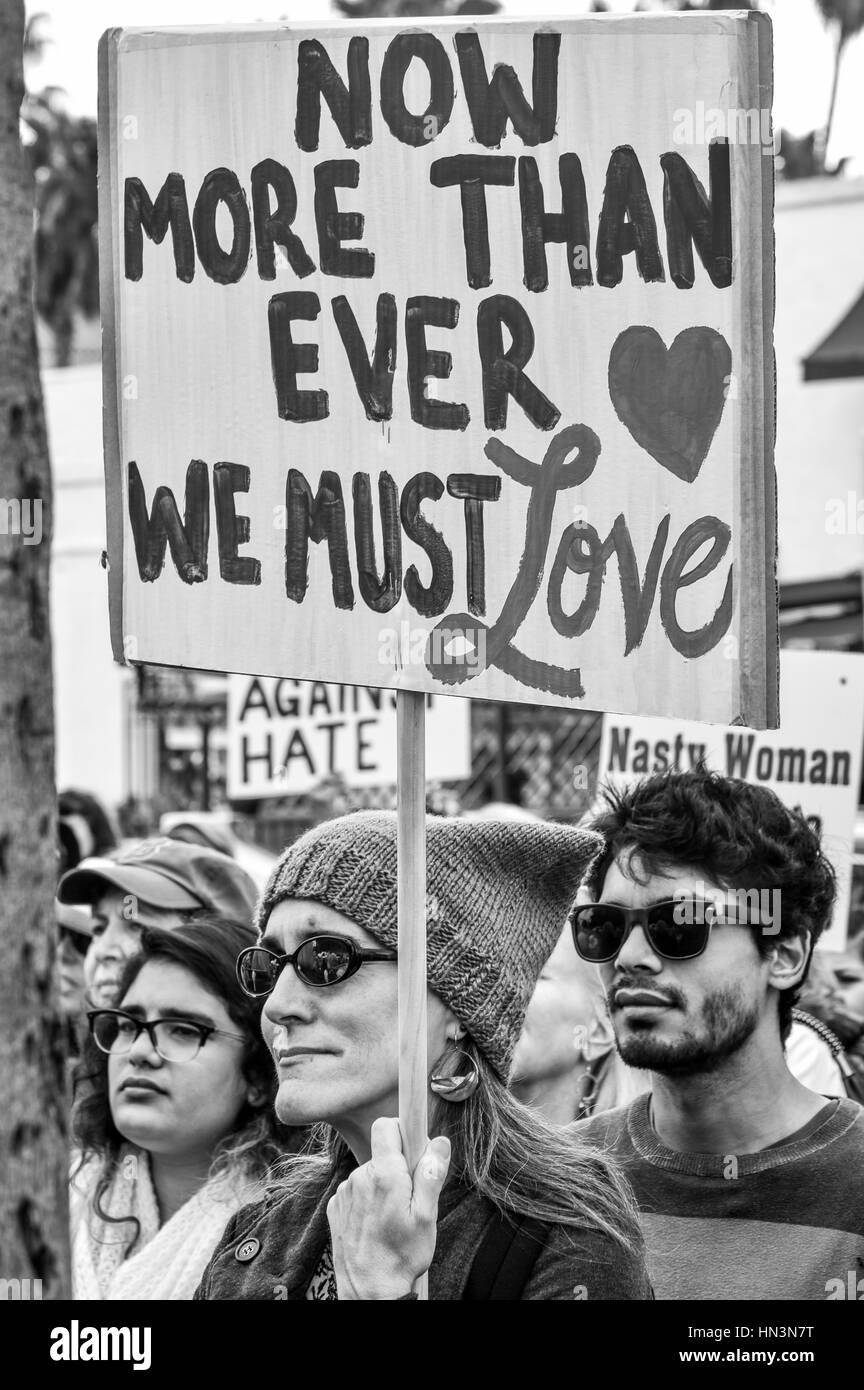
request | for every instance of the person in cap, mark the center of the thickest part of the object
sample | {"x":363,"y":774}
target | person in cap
{"x":501,"y":1203}
{"x":156,"y":883}
{"x":73,"y":943}
{"x":83,"y":829}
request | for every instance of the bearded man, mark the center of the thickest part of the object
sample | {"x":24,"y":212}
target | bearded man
{"x":702,"y":914}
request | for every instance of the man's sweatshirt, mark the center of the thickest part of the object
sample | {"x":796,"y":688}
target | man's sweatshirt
{"x":784,"y":1223}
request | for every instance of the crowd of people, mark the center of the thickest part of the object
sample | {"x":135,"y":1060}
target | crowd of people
{"x":627,"y":1099}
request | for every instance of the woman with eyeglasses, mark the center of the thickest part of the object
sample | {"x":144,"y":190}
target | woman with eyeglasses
{"x":173,"y":1115}
{"x":502,"y":1204}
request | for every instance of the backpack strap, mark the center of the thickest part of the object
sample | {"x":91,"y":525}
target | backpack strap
{"x":851,"y":1079}
{"x":827,"y":1035}
{"x":505,"y":1258}
{"x":595,"y":1075}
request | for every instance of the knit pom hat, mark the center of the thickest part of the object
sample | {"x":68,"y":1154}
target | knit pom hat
{"x":497,"y":896}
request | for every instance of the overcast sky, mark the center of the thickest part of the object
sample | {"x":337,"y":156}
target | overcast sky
{"x":803,"y":51}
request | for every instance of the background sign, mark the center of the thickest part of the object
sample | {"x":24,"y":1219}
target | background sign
{"x":284,"y":736}
{"x":440,"y":358}
{"x":812,"y":762}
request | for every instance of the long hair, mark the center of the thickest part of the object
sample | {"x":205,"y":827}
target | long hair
{"x":207,"y":948}
{"x":506,"y":1153}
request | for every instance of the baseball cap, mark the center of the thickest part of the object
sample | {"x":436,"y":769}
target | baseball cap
{"x":72,"y":919}
{"x":165,"y":873}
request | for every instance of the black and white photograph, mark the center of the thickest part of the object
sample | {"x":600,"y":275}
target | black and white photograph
{"x":431,"y":673}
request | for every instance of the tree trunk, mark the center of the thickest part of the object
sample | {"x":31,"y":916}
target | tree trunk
{"x":33,"y":1154}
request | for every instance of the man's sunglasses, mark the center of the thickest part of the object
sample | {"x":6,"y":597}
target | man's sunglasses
{"x":676,"y":930}
{"x":319,"y":961}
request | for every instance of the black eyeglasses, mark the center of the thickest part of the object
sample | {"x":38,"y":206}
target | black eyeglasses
{"x":319,"y":961}
{"x":677,"y":930}
{"x":79,"y":941}
{"x":175,"y":1039}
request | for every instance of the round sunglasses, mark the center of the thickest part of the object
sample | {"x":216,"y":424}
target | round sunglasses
{"x":79,"y":941}
{"x":676,"y":930}
{"x":319,"y":961}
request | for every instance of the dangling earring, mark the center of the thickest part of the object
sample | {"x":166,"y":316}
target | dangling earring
{"x":455,"y":1076}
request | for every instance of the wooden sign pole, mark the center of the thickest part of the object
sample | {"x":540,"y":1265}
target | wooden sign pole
{"x":411,"y":867}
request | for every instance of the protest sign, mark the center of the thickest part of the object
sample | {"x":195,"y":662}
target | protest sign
{"x":439,"y":359}
{"x":438,"y":356}
{"x":812,"y":762}
{"x":285,"y":736}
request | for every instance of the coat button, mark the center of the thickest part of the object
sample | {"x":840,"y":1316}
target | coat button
{"x":247,"y":1250}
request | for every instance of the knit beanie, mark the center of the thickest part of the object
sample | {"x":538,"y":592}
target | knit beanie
{"x":497,"y":896}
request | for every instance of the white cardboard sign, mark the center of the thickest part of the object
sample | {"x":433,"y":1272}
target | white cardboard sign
{"x":284,"y":736}
{"x":438,"y":356}
{"x":812,"y":762}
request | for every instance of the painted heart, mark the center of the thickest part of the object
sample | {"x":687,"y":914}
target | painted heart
{"x":671,"y":401}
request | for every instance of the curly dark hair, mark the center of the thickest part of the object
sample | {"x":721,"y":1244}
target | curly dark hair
{"x":208,"y":949}
{"x":737,"y":835}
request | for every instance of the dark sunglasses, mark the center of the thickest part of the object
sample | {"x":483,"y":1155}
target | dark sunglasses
{"x":319,"y":961}
{"x":77,"y":939}
{"x":676,"y":930}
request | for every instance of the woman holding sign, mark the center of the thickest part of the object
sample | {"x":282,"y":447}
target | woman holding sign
{"x":502,"y":1204}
